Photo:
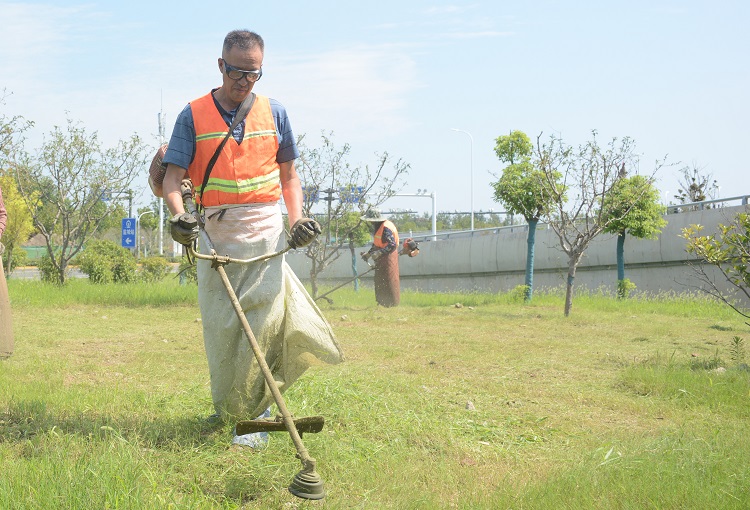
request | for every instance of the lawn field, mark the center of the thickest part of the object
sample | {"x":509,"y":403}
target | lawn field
{"x":447,"y":401}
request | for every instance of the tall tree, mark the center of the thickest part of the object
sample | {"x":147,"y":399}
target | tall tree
{"x":521,"y":189}
{"x":579,"y":180}
{"x":20,"y":224}
{"x":346,"y":191}
{"x":17,"y":229}
{"x":63,"y":186}
{"x":632,"y":206}
{"x":696,"y":185}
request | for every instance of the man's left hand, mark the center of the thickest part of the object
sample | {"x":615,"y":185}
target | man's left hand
{"x":303,"y":232}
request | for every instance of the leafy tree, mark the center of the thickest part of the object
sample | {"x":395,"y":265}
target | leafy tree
{"x":347,"y":191}
{"x":521,"y":189}
{"x":729,"y":251}
{"x":696,"y":186}
{"x":19,"y":226}
{"x":64,"y":182}
{"x":579,"y":180}
{"x":632,"y":206}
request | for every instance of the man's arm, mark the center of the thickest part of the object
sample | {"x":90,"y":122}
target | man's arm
{"x":291,"y":188}
{"x":302,"y":231}
{"x":171,"y":188}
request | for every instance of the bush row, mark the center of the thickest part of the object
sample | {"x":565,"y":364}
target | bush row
{"x":106,"y":262}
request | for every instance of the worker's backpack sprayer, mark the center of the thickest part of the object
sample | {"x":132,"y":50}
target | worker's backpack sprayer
{"x":156,"y":171}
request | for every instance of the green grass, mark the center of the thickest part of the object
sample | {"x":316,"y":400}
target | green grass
{"x":79,"y":291}
{"x":448,"y":401}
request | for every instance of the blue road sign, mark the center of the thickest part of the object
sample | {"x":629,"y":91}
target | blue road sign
{"x":128,"y":232}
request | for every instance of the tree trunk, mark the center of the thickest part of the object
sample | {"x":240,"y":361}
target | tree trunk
{"x":354,"y":263}
{"x":61,"y":274}
{"x":572,"y":265}
{"x":314,"y":279}
{"x":9,"y":254}
{"x":622,"y":292}
{"x":530,"y":240}
{"x":621,"y":256}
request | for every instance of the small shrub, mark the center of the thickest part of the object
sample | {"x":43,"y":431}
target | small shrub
{"x":154,"y":269}
{"x":518,"y":294}
{"x":47,"y":270}
{"x":105,"y":262}
{"x":625,"y":288}
{"x":18,"y":258}
{"x":188,"y":272}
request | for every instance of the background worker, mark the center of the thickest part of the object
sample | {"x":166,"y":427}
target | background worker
{"x":243,"y":220}
{"x":6,"y":324}
{"x":384,"y":253}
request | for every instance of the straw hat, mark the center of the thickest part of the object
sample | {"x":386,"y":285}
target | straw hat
{"x":374,"y":216}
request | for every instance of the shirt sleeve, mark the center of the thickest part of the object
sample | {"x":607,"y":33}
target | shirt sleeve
{"x":389,"y":240}
{"x":287,"y":143}
{"x":181,"y":149}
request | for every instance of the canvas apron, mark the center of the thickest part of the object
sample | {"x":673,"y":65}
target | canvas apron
{"x":289,"y":327}
{"x":386,"y":281}
{"x":6,"y":325}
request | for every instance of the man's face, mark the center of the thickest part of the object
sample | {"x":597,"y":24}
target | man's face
{"x":246,"y":60}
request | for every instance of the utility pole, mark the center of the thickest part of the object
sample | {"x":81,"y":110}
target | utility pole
{"x":161,"y":200}
{"x":329,"y":198}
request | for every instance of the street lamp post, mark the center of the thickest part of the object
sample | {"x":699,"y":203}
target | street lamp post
{"x":138,"y":233}
{"x":471,"y":169}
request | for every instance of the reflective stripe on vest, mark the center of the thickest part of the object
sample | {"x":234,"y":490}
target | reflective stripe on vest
{"x":243,"y":173}
{"x":378,"y":238}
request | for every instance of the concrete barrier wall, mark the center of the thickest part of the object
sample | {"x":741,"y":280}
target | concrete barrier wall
{"x":494,"y":260}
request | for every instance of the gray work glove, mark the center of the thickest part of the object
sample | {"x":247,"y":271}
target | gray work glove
{"x":303,"y":232}
{"x":184,"y":228}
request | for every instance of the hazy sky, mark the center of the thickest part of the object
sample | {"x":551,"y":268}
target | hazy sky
{"x":397,"y":76}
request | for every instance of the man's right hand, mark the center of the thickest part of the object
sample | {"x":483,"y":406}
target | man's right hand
{"x":184,"y":228}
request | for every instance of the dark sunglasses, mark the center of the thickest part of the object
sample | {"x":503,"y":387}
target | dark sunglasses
{"x":237,"y":74}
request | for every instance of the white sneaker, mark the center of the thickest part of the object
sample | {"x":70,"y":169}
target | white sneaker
{"x":255,"y":440}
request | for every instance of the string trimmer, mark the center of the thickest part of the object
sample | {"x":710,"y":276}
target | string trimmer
{"x":307,"y":483}
{"x":410,"y":248}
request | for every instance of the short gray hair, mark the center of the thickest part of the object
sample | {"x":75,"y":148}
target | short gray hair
{"x":244,"y":40}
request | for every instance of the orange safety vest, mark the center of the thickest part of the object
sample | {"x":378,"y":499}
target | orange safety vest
{"x":378,"y":239}
{"x":244,"y":173}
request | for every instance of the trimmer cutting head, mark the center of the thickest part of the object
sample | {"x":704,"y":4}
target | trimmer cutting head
{"x":307,"y":485}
